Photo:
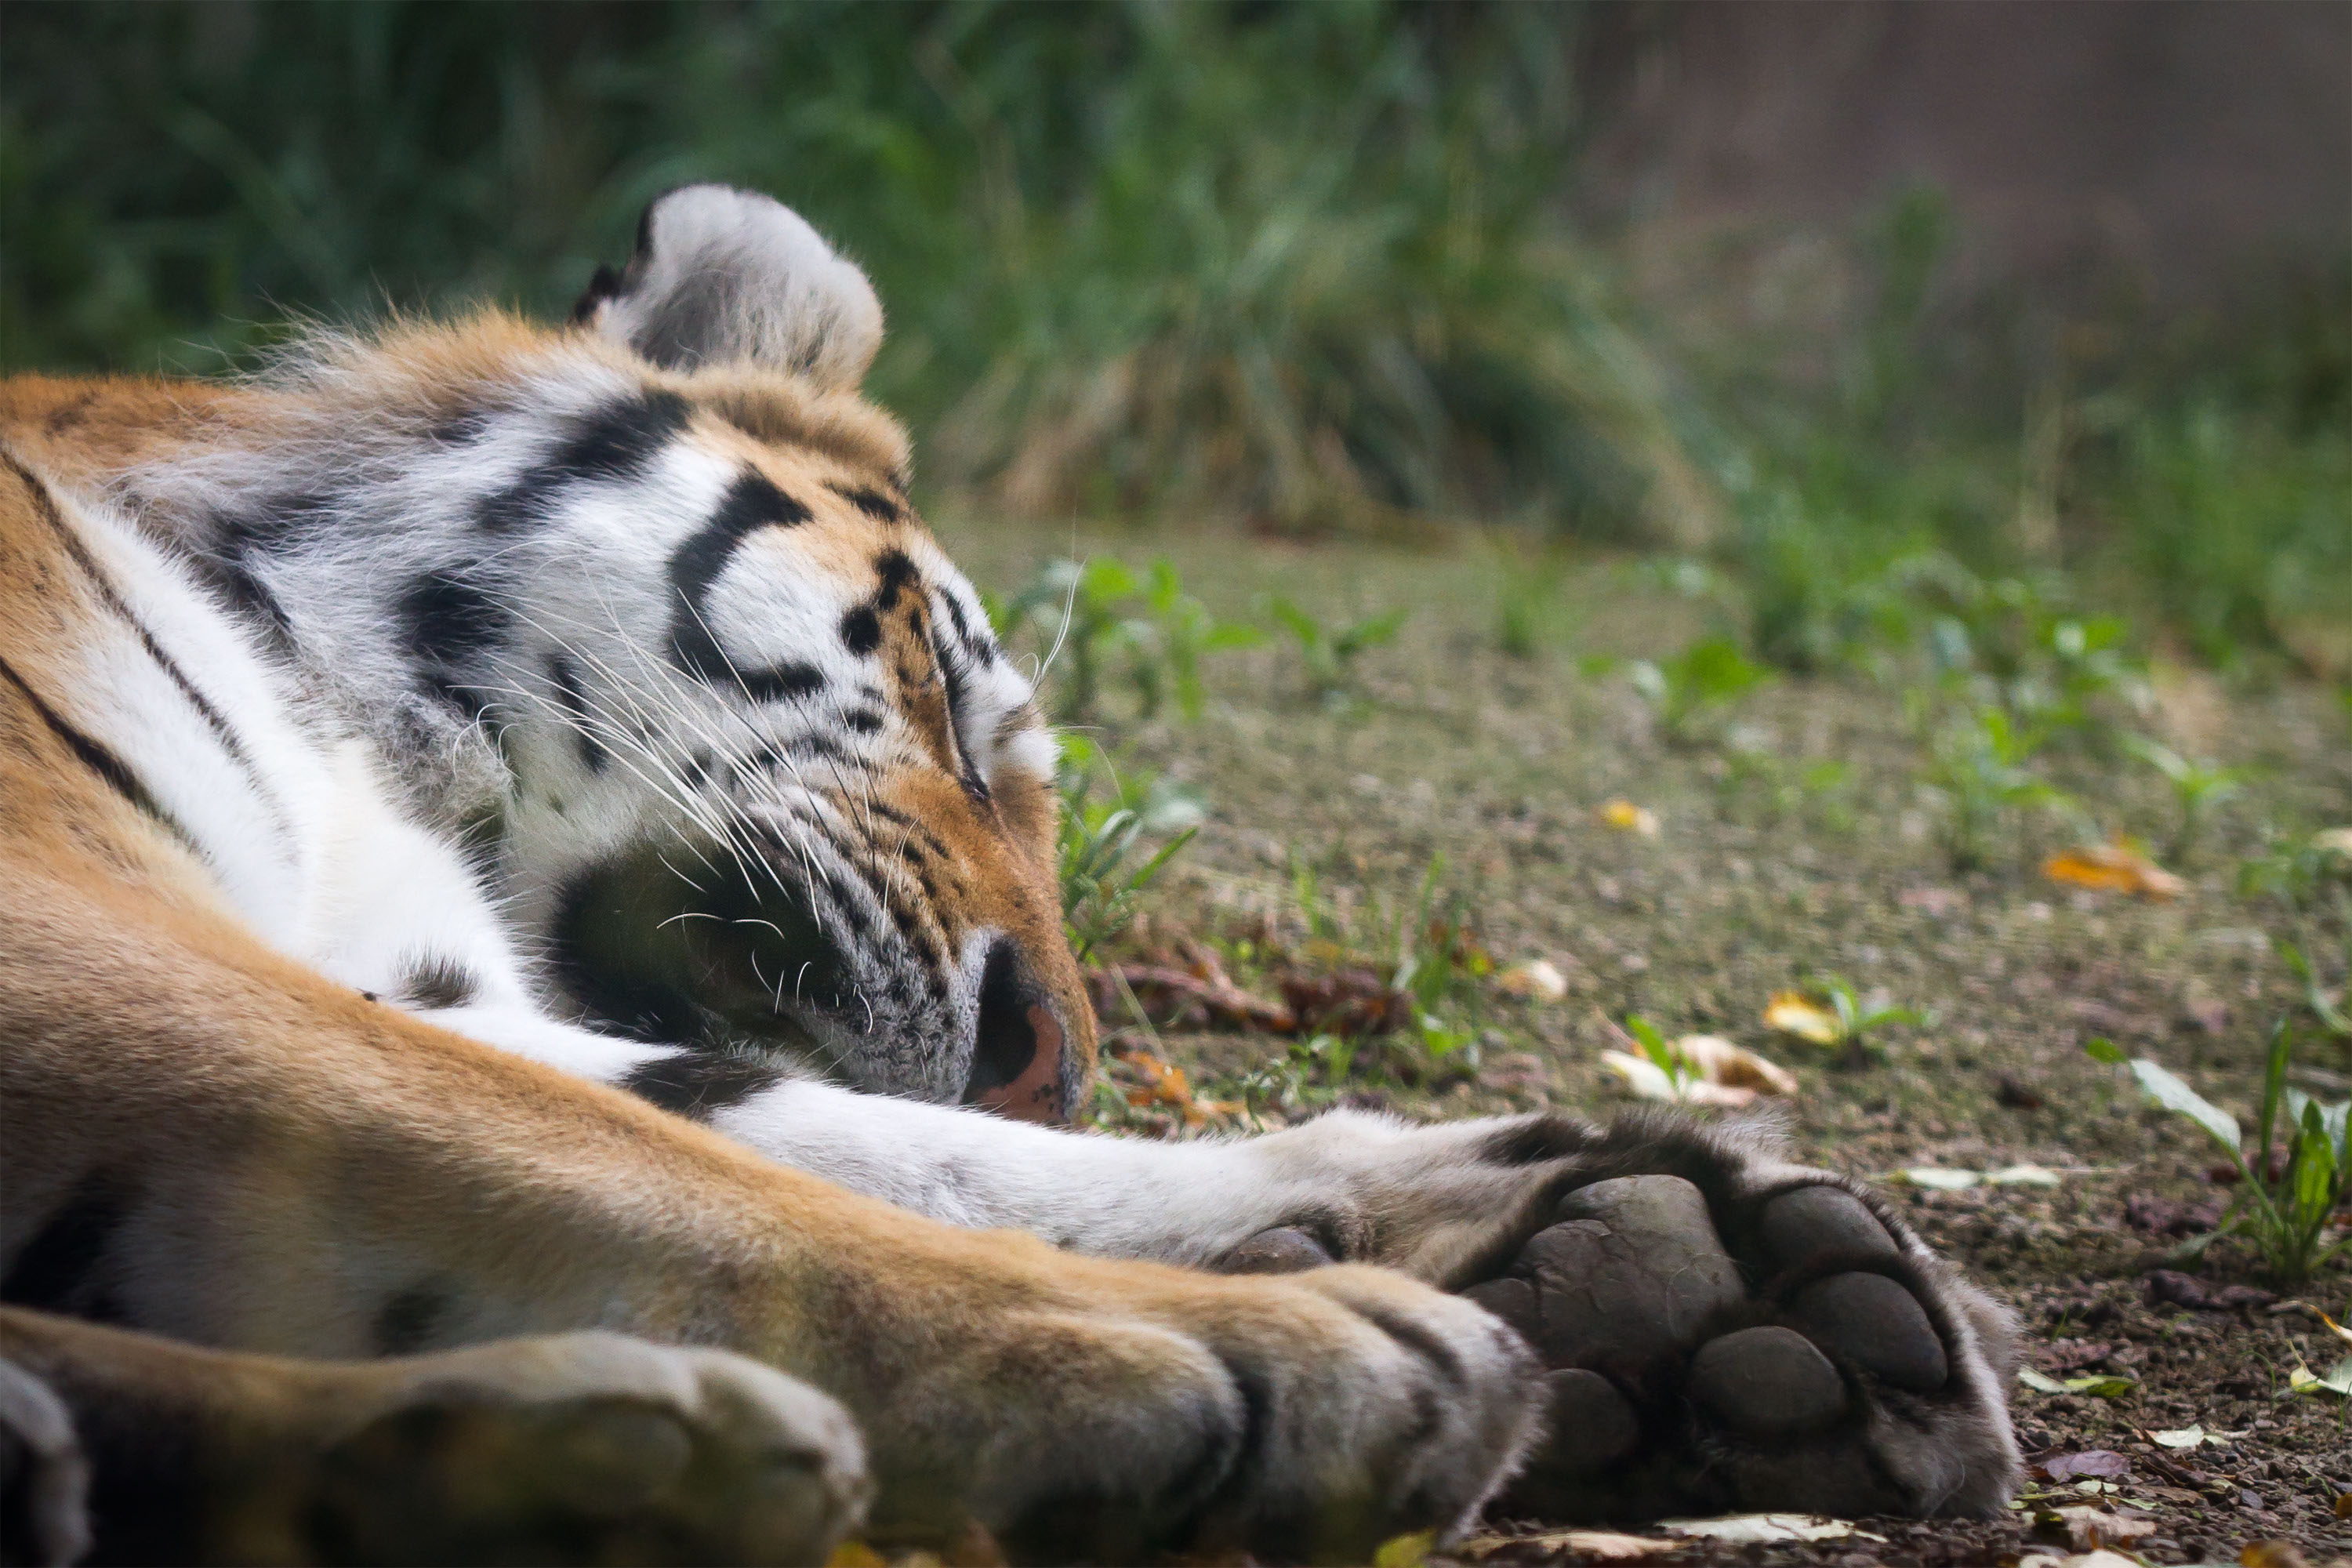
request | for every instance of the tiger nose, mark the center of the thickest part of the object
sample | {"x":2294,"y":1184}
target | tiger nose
{"x":1017,"y":1053}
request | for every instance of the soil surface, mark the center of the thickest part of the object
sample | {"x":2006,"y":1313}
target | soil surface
{"x":1762,"y":874}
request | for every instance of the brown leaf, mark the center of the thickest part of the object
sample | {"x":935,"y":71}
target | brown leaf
{"x":1346,"y":1002}
{"x":2103,"y":1463}
{"x":2271,"y":1554}
{"x":2088,"y":1529}
{"x":2115,"y":868}
{"x":1171,"y":995}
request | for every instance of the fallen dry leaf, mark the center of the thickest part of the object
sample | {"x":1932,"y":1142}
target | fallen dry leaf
{"x":1794,"y":1013}
{"x":855,"y":1554}
{"x":1600,"y":1545}
{"x":2104,"y":1463}
{"x":1348,"y":1001}
{"x":2088,"y":1529}
{"x":2083,"y":1560}
{"x":1769,"y":1527}
{"x":1720,"y":1073}
{"x":2114,"y":868}
{"x":2338,"y":1380}
{"x":1734,"y":1067}
{"x":1167,"y":993}
{"x":2271,"y":1554}
{"x":1539,"y":981}
{"x":1625,"y":816}
{"x":1163,"y":1084}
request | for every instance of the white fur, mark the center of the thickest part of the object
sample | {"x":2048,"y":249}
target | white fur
{"x":770,"y":289}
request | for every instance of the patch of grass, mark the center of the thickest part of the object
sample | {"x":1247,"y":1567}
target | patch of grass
{"x":1102,"y":866}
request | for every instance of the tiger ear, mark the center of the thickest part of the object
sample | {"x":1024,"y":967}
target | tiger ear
{"x":722,"y":275}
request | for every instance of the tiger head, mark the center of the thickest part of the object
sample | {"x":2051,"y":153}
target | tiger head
{"x":762,"y":773}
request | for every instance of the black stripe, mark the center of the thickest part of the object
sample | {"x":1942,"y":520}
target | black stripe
{"x":861,"y":630}
{"x":752,"y":503}
{"x":695,"y":1083}
{"x":895,"y":572}
{"x":872,"y":502}
{"x":785,"y":679}
{"x":431,"y":980}
{"x":102,"y":762}
{"x":617,"y":441}
{"x":446,"y":617}
{"x":104,"y":585}
{"x":982,"y":649}
{"x":408,"y":1322}
{"x":57,"y":1269}
{"x":575,"y":702}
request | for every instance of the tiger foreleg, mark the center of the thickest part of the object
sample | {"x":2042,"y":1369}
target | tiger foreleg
{"x":1722,"y":1328}
{"x":573,"y":1447}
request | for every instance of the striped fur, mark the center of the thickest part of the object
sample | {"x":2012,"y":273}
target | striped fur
{"x":508,"y":831}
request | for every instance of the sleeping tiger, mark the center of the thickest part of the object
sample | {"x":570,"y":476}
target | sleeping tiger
{"x":535,"y":1010}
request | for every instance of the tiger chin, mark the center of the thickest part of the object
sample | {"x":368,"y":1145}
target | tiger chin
{"x":535,"y":1020}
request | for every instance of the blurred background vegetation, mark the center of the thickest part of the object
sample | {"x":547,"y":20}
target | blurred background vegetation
{"x":1349,"y":267}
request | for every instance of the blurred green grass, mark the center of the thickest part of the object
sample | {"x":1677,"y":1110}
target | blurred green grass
{"x":1308,"y":265}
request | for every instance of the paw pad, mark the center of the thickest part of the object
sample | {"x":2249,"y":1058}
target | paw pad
{"x":1878,"y":1323}
{"x":1810,"y":1221}
{"x":1629,"y":1274}
{"x":1675,"y":1389}
{"x":1766,"y":1383}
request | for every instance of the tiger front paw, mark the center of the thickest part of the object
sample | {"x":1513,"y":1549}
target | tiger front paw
{"x":1749,"y":1335}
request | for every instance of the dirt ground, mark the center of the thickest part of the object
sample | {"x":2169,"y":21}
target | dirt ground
{"x":1751,"y":884}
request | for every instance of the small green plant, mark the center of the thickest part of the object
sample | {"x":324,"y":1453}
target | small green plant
{"x":1528,"y":608}
{"x":1703,"y":680}
{"x":2309,"y":879}
{"x":1663,"y":1054}
{"x":1098,"y":622}
{"x":2301,"y":1170}
{"x":1328,"y":654}
{"x":2197,"y":788}
{"x":1102,"y":878}
{"x":1978,"y":779}
{"x":1830,"y":1012}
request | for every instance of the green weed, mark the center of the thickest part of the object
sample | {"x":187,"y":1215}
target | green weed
{"x":1102,"y":870}
{"x":2300,"y":1172}
{"x":1328,"y":654}
{"x":1978,"y":781}
{"x":1097,"y":626}
{"x":1696,"y":686}
{"x":2197,"y":788}
{"x":1663,"y":1054}
{"x":2308,"y":878}
{"x":1840,"y":1018}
